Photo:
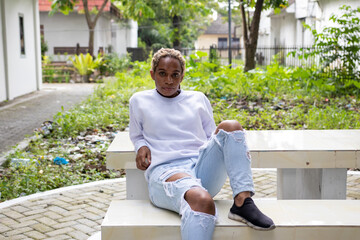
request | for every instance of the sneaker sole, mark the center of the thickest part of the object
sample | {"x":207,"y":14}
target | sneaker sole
{"x":243,"y":220}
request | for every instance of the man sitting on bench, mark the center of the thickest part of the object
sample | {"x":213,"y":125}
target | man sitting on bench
{"x":186,"y":157}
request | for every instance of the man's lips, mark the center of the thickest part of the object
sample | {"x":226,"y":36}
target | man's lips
{"x":168,"y":88}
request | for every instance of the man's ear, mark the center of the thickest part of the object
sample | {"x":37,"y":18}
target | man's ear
{"x":152,"y":73}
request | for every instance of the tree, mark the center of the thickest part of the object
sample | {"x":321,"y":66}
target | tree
{"x":251,"y":23}
{"x":176,"y":22}
{"x":66,"y":6}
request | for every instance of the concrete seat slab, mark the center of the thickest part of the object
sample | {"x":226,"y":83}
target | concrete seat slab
{"x":295,"y":219}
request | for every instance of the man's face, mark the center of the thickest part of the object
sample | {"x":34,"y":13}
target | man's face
{"x":168,"y":76}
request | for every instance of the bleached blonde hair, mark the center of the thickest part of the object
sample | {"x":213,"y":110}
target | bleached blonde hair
{"x":167,"y":52}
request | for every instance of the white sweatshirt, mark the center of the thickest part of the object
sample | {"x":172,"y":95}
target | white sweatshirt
{"x":172,"y":128}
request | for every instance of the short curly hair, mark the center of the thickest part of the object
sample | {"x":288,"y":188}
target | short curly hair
{"x":167,"y":52}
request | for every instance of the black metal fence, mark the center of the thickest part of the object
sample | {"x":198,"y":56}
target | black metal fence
{"x":285,"y":56}
{"x":263,"y":56}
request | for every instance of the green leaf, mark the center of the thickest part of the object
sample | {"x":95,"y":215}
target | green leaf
{"x":201,"y":54}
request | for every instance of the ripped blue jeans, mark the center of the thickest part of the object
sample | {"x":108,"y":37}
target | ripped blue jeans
{"x":226,"y":154}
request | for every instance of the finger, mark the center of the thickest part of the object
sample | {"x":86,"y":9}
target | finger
{"x":141,"y":167}
{"x":149,"y":157}
{"x":143,"y":163}
{"x":139,"y":163}
{"x":146,"y":162}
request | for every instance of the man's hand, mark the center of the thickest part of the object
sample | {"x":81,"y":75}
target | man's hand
{"x":143,"y":158}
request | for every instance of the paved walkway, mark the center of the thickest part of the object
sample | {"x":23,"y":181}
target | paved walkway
{"x":76,"y":212}
{"x":22,"y":115}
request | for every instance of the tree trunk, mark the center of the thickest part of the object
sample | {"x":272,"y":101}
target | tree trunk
{"x":250,"y":50}
{"x":92,"y":23}
{"x":176,"y":21}
{"x":91,"y":40}
{"x":251,"y":34}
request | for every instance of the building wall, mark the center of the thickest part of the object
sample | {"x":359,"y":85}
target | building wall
{"x":64,"y":31}
{"x":301,"y":9}
{"x":102,"y":34}
{"x":275,"y":31}
{"x":22,"y":75}
{"x":125,"y":35}
{"x":264,"y":29}
{"x":283,"y":30}
{"x":2,"y":62}
{"x":133,"y":34}
{"x":308,"y":37}
{"x":206,"y":40}
{"x":287,"y":29}
{"x":330,"y":7}
{"x":67,"y":31}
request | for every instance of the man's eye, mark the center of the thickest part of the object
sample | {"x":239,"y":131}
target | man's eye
{"x":162,"y":74}
{"x":176,"y":75}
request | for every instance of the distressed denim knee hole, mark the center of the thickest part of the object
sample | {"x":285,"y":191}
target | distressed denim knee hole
{"x":185,"y":182}
{"x":204,"y":219}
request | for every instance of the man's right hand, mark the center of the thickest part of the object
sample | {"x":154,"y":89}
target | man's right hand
{"x":143,"y":158}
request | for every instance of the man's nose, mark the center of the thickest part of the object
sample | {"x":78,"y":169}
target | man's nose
{"x":169,"y":79}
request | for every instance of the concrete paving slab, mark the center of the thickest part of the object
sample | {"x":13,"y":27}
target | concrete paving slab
{"x":19,"y":117}
{"x":67,"y":214}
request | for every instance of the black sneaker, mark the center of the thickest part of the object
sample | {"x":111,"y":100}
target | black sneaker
{"x":249,"y":214}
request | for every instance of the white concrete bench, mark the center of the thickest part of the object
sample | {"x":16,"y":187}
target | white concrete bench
{"x":311,"y":164}
{"x":295,"y":220}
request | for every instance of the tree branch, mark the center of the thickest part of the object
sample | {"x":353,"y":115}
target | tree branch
{"x":245,"y":23}
{"x":87,"y":13}
{"x":100,"y":11}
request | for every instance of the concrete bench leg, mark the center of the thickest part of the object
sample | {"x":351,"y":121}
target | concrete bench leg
{"x":136,"y":185}
{"x":327,"y":183}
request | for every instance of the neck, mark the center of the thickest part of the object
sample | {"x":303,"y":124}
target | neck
{"x":172,"y":96}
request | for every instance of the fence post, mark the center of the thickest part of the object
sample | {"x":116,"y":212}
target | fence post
{"x":77,"y":49}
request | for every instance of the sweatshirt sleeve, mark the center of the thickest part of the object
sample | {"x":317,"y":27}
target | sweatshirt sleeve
{"x":208,"y":120}
{"x":135,"y":127}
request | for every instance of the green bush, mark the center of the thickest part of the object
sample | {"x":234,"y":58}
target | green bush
{"x":274,"y":98}
{"x":112,"y":64}
{"x":86,"y":65}
{"x":338,"y":49}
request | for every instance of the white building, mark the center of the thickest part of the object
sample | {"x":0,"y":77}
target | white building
{"x":287,"y":27}
{"x":330,"y":7}
{"x":63,"y":33}
{"x":287,"y":31}
{"x":264,"y":29}
{"x":20,"y":57}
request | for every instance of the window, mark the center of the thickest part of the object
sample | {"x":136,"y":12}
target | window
{"x":42,"y":32}
{"x":222,"y":43}
{"x":235,"y":43}
{"x":22,"y":34}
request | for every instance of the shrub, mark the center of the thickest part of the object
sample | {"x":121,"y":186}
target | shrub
{"x":338,"y":49}
{"x":112,"y":64}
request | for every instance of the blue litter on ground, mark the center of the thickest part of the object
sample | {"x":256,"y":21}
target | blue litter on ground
{"x":60,"y":161}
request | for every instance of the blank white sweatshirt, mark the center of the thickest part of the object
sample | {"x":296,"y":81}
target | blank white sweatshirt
{"x":172,"y":128}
